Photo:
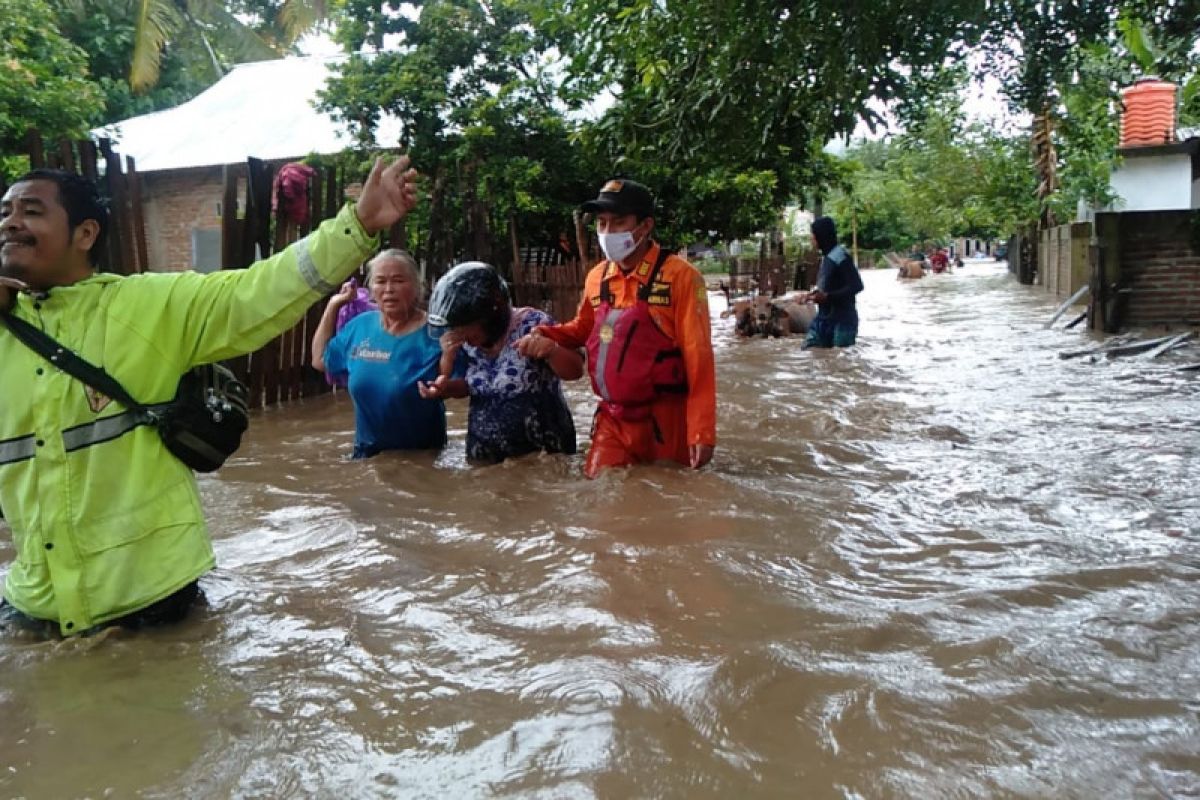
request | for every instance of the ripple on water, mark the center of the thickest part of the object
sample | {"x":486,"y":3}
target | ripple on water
{"x":945,"y":563}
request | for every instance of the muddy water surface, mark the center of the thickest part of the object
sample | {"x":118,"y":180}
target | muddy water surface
{"x":945,"y":563}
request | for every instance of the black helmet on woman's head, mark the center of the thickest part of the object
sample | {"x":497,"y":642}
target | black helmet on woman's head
{"x":471,"y":292}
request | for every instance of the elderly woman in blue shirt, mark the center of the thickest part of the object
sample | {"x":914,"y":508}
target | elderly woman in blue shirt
{"x":382,"y":355}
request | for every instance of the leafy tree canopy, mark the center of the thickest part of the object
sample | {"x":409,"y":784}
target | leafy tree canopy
{"x":45,"y":84}
{"x":471,"y":85}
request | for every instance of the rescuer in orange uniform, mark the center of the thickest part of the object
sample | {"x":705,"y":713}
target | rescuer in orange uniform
{"x":644,"y":321}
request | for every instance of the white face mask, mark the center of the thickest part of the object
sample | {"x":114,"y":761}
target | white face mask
{"x":618,"y":246}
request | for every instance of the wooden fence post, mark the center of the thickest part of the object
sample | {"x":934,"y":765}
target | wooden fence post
{"x":66,"y":156}
{"x":35,"y":148}
{"x":119,"y":222}
{"x":137,"y":216}
{"x":231,"y":228}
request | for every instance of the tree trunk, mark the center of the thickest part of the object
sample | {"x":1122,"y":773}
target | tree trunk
{"x":437,"y":200}
{"x":1046,"y":163}
{"x":515,"y":244}
{"x":479,"y":239}
{"x":581,"y":240}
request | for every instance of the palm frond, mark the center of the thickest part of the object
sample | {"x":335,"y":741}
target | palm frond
{"x":155,"y":21}
{"x":302,"y":16}
{"x":237,"y":38}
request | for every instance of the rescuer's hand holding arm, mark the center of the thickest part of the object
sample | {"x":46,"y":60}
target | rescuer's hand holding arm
{"x":566,"y":362}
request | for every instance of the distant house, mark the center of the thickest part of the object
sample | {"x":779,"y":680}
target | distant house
{"x":262,"y":110}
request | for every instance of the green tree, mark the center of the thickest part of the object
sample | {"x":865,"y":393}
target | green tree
{"x":935,"y":182}
{"x":1062,"y":62}
{"x":215,"y":33}
{"x":1035,"y":47}
{"x":104,"y":30}
{"x":45,"y":83}
{"x":146,"y":56}
{"x":481,"y":114}
{"x":746,"y":86}
{"x":1160,"y":38}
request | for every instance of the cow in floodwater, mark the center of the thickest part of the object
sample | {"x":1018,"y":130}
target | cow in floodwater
{"x":765,"y":316}
{"x":911,"y":268}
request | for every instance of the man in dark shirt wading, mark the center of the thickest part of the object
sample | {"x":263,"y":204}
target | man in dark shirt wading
{"x":838,"y":282}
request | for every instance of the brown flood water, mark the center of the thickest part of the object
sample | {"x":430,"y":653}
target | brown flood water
{"x":943,"y":564}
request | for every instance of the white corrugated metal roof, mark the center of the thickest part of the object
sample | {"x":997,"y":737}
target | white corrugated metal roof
{"x":263,"y":109}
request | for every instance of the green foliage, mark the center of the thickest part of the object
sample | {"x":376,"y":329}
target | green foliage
{"x":1035,"y":45}
{"x":172,"y":50}
{"x":711,"y":266}
{"x":1088,"y":133}
{"x":478,"y":107}
{"x":935,"y":183}
{"x":1161,"y":39}
{"x":45,"y":83}
{"x":213,"y":34}
{"x":104,"y":30}
{"x":1063,"y":62}
{"x":723,"y":94}
{"x":744,"y":81}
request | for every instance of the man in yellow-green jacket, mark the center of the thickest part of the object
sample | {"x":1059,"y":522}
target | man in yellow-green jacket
{"x":106,"y":522}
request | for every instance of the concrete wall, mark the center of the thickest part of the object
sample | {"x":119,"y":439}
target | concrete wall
{"x":1154,"y":183}
{"x":1063,"y":258}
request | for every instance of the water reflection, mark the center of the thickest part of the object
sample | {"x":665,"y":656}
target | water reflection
{"x":945,"y":563}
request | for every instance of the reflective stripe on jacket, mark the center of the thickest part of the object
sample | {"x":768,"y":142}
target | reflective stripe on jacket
{"x":104,"y":519}
{"x":630,"y":361}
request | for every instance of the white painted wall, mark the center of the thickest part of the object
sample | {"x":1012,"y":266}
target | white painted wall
{"x":1155,"y":183}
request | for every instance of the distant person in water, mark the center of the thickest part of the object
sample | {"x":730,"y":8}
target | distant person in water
{"x":381,"y":355}
{"x":517,"y":404}
{"x":838,"y":282}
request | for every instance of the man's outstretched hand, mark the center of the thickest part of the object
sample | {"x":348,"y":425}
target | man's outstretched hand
{"x":388,"y":194}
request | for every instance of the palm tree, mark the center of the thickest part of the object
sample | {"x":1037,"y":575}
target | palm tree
{"x":212,"y":25}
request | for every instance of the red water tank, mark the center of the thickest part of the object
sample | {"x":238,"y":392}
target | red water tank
{"x":1148,"y":113}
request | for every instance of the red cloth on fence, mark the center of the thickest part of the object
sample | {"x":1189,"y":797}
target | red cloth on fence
{"x":290,"y":192}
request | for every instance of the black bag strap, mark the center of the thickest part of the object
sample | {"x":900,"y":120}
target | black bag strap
{"x":48,"y":348}
{"x":643,"y":292}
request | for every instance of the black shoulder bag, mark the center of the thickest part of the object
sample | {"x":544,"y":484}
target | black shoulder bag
{"x":202,"y":426}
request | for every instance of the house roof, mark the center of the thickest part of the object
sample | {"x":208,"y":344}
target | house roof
{"x":262,"y":110}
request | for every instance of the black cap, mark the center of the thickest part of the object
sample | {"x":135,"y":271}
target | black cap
{"x":622,"y":196}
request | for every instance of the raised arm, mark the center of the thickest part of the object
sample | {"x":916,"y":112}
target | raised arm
{"x":328,"y":324}
{"x":196,"y":319}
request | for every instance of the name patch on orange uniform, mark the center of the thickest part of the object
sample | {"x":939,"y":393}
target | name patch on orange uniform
{"x":660,"y":294}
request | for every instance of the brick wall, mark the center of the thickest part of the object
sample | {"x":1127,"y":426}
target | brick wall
{"x":1160,"y":262}
{"x":174,"y":203}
